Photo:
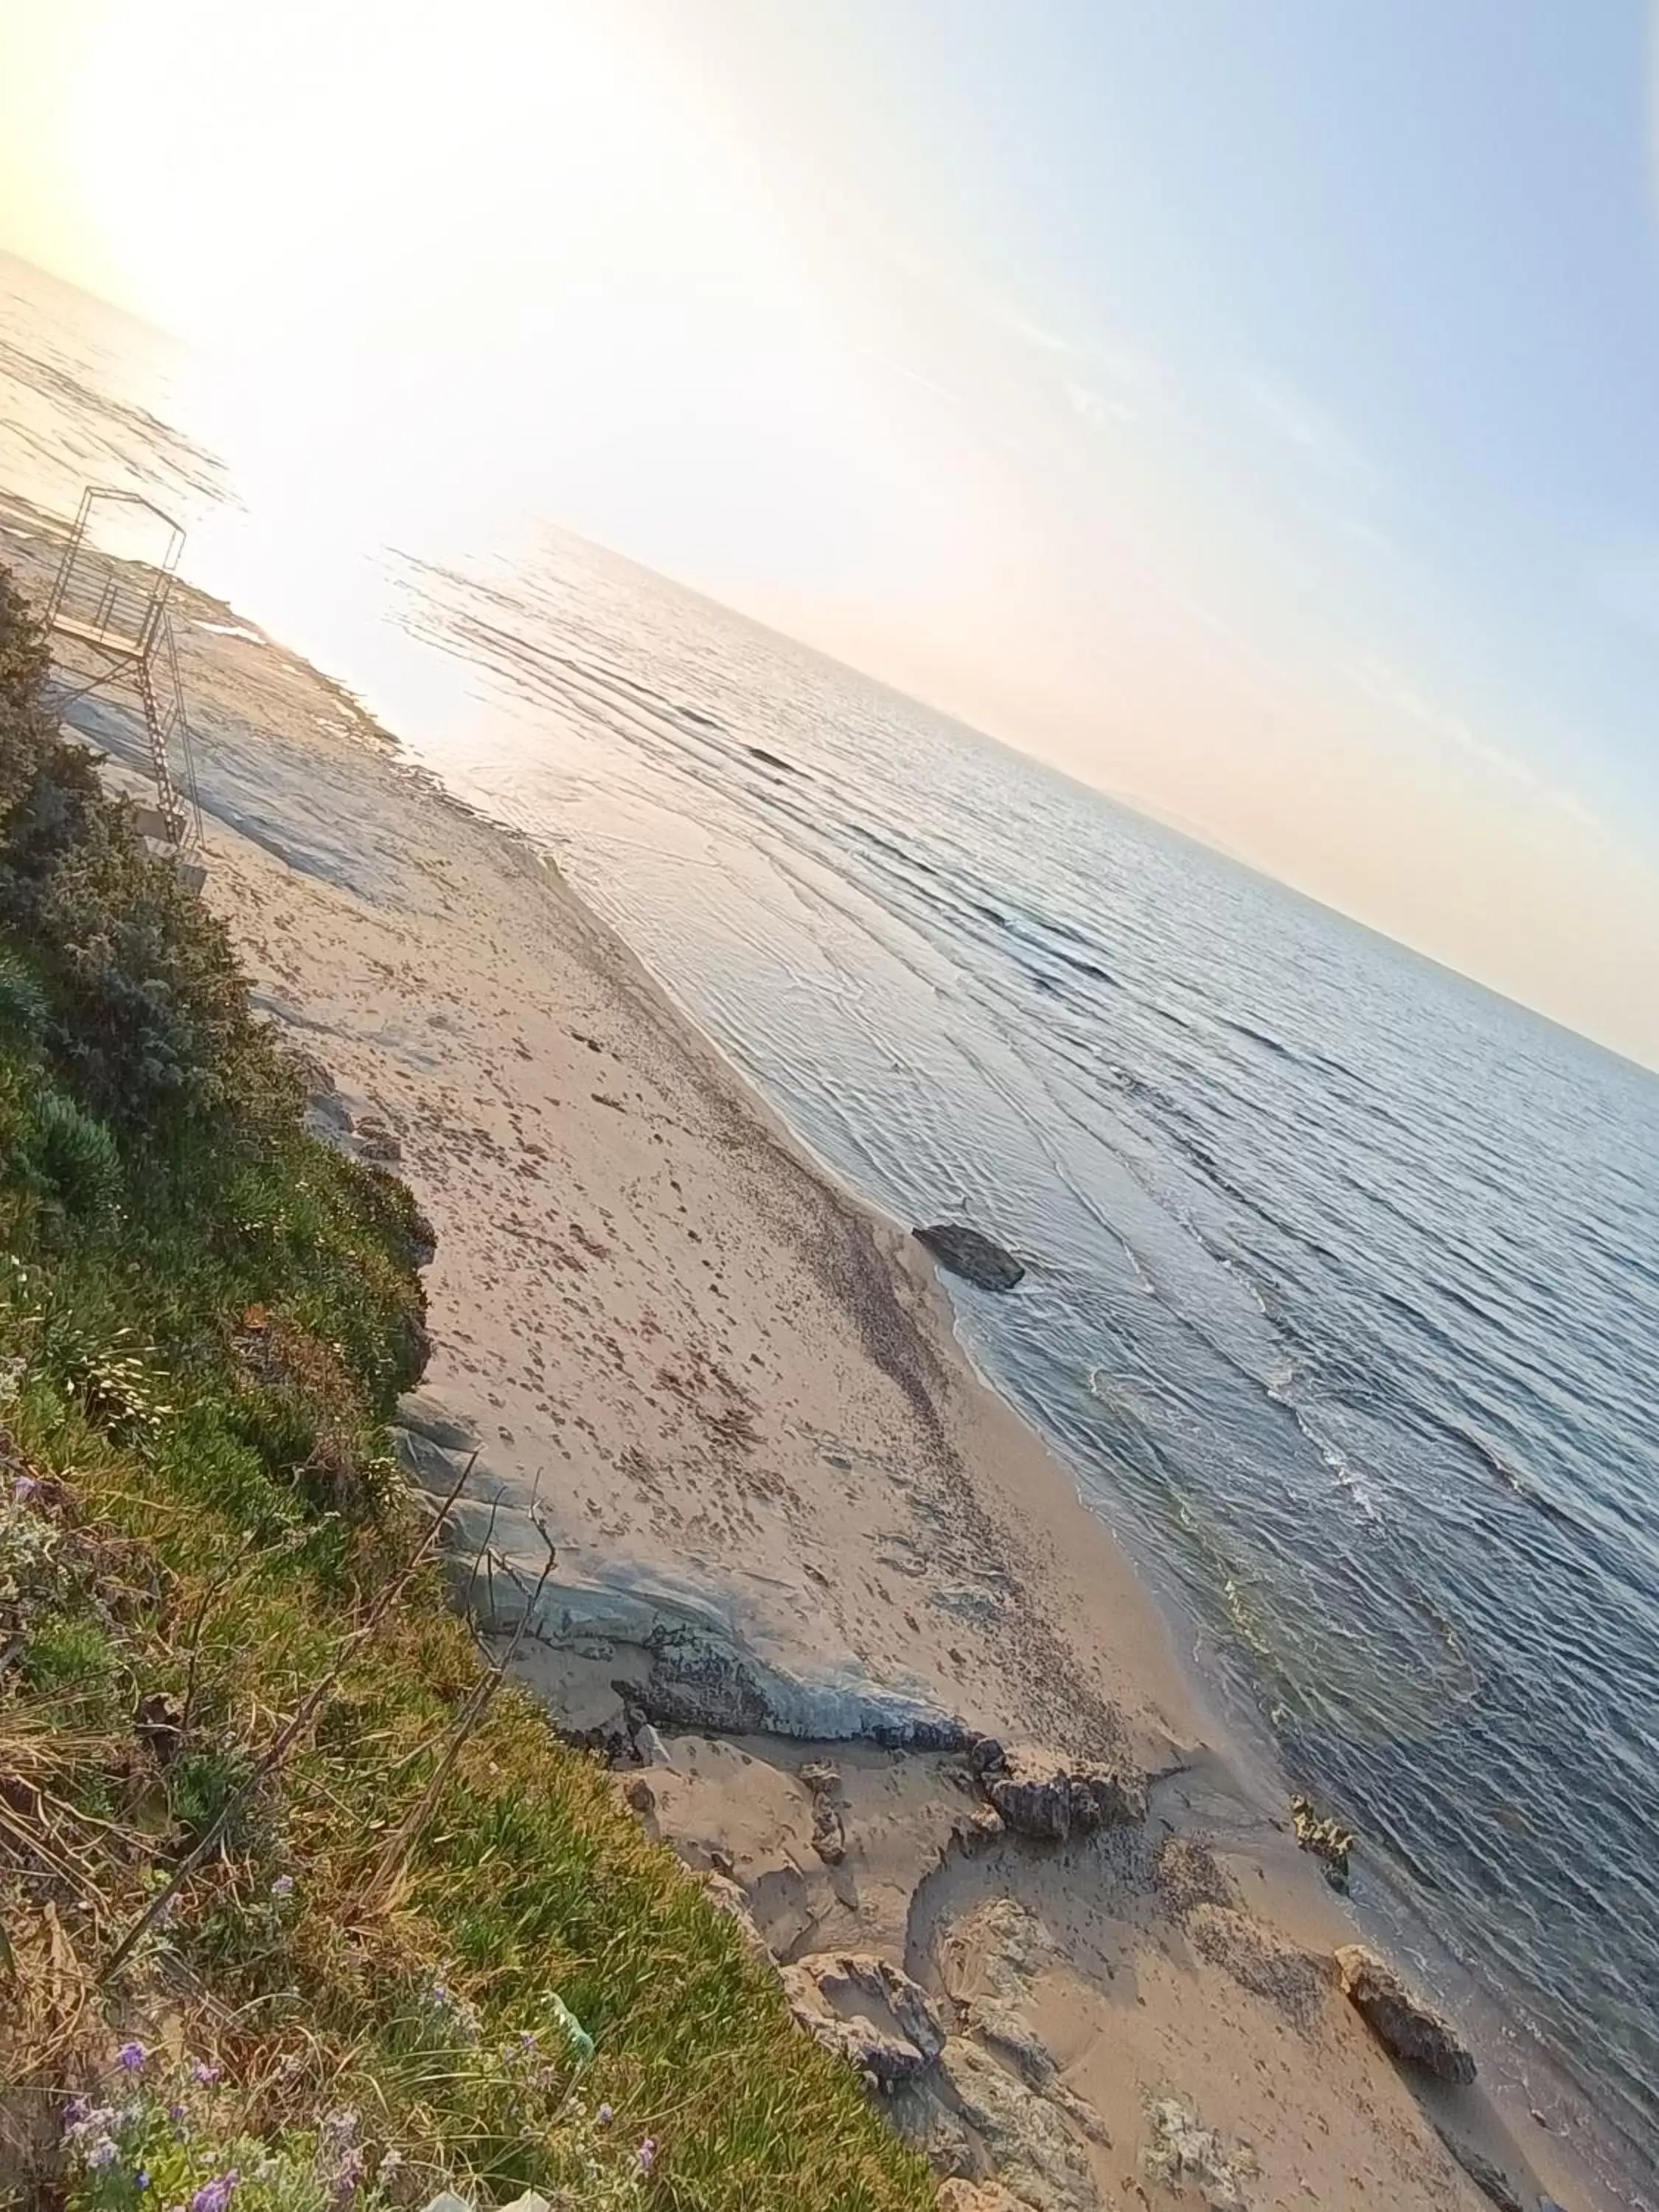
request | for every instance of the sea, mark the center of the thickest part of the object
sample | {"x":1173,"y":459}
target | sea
{"x":1343,"y":1301}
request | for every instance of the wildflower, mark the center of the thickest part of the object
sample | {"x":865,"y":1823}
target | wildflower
{"x":75,"y":2112}
{"x":283,"y":1886}
{"x":647,"y":2155}
{"x":25,"y":1487}
{"x":130,"y":2057}
{"x":214,"y":2196}
{"x":203,"y":2075}
{"x":141,"y":2179}
{"x":103,"y":2154}
{"x":339,"y":2155}
{"x":439,"y":1994}
{"x":604,"y":2116}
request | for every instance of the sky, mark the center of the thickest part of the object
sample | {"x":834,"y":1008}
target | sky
{"x":1250,"y":410}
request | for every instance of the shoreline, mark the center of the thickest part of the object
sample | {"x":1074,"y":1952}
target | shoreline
{"x":1091,"y":1662}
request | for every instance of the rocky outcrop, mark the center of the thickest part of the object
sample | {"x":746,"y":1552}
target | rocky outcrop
{"x":866,"y":2010}
{"x":1051,"y":1800}
{"x":1036,"y":2151}
{"x":1180,"y":2155}
{"x":922,"y":2116}
{"x":1330,"y":1843}
{"x":977,"y":2197}
{"x":822,"y":1784}
{"x":972,"y":1255}
{"x":1400,"y":2019}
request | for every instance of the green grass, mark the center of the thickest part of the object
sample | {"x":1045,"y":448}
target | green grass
{"x":426,"y":1945}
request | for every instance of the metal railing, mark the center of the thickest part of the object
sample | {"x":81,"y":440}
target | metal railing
{"x":111,"y":610}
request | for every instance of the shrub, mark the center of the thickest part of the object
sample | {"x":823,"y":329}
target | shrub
{"x":72,"y":1155}
{"x":24,"y":1006}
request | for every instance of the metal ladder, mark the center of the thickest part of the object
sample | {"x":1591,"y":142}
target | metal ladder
{"x":161,"y":696}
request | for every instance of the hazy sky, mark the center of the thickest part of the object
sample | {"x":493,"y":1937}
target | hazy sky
{"x":1254,"y":409}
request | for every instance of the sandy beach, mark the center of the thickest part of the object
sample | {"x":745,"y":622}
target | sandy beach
{"x":793,"y":1530}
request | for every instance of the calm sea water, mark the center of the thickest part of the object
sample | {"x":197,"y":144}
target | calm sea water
{"x":1344,"y":1300}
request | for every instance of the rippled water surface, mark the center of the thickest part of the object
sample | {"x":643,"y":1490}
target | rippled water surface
{"x":1344,"y":1297}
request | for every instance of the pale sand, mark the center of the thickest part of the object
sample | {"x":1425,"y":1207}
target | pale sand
{"x":720,"y":1374}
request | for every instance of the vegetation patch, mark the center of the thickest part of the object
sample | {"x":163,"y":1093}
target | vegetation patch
{"x":300,"y":1907}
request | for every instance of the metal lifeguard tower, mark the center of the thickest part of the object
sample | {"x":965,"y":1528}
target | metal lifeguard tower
{"x":107,"y":615}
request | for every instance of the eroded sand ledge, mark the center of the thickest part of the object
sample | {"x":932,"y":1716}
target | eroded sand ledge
{"x":731,"y":1394}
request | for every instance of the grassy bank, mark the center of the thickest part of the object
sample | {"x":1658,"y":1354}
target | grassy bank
{"x":290,"y":1890}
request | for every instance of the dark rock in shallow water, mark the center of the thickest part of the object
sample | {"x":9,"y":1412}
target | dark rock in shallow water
{"x":1489,"y":2179}
{"x":965,"y":1252}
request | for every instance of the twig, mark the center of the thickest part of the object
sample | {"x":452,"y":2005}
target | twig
{"x":286,"y":1738}
{"x":471,"y":1714}
{"x":213,"y":1592}
{"x":479,"y":1556}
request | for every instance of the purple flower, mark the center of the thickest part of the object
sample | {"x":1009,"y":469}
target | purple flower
{"x":283,"y":1886}
{"x":25,"y":1487}
{"x":214,"y":2196}
{"x":130,"y":2057}
{"x":75,"y":2112}
{"x":102,"y":2153}
{"x":141,"y":2179}
{"x":340,"y":2159}
{"x":604,"y":2116}
{"x":646,"y":2154}
{"x":203,"y":2075}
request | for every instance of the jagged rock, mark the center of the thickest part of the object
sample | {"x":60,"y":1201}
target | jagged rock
{"x":920,"y":2116}
{"x":1399,"y":2018}
{"x":1180,"y":2154}
{"x":819,"y":1778}
{"x":869,"y":2011}
{"x":968,"y":1252}
{"x":976,"y":2197}
{"x":1490,"y":2180}
{"x":985,"y":1753}
{"x":726,"y":1897}
{"x":641,"y":1798}
{"x":376,"y":1143}
{"x":531,"y":2201}
{"x":427,"y":1416}
{"x":648,"y":1746}
{"x":1330,"y":1843}
{"x":828,"y":1832}
{"x":1029,"y":2141}
{"x":976,"y":1831}
{"x":1050,"y":1800}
